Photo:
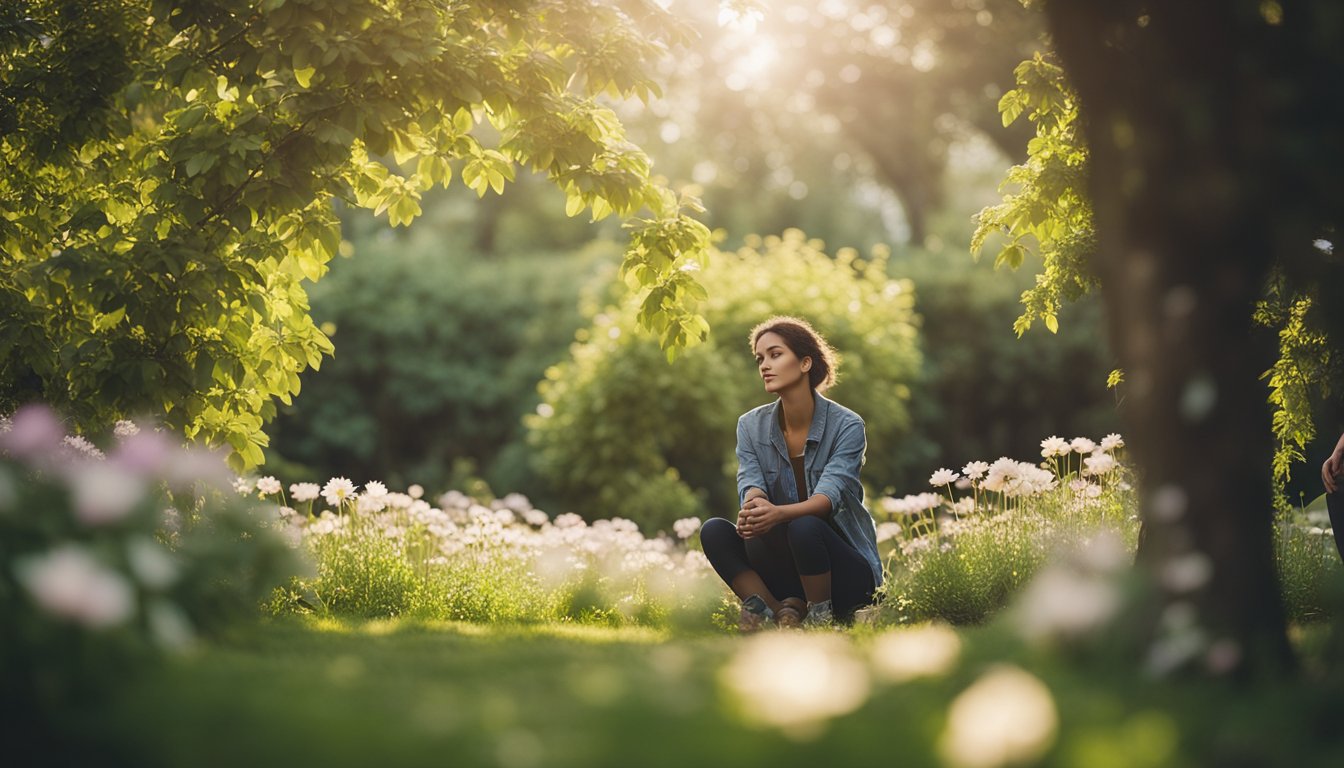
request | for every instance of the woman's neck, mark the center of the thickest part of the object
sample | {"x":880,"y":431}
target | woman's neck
{"x":798,"y":407}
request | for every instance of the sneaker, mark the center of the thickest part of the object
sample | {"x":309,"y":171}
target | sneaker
{"x":819,"y":615}
{"x":754,"y":614}
{"x":792,"y":611}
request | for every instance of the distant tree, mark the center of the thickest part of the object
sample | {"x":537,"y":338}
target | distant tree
{"x":170,"y":168}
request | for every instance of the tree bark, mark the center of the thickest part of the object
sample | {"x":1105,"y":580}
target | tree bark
{"x":1184,"y":248}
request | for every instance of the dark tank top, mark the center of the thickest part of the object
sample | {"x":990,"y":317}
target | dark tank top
{"x":799,"y":477}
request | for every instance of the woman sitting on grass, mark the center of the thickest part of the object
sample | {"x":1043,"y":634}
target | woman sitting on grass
{"x":804,"y":549}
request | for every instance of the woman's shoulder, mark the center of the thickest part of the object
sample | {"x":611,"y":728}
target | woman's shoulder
{"x":761,"y":414}
{"x":839,"y":414}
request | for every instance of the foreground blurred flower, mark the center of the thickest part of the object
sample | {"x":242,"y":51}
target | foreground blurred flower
{"x":907,"y":653}
{"x":33,"y":431}
{"x":1062,"y":604}
{"x":1007,"y":717}
{"x":103,"y":493}
{"x":338,"y":490}
{"x":68,"y":582}
{"x":796,"y":681}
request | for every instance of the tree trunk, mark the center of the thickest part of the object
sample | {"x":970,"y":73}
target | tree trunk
{"x":1184,"y":249}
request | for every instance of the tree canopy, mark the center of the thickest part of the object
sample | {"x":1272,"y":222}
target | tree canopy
{"x":171,"y":171}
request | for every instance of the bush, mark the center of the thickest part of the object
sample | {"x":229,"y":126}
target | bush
{"x":962,"y":560}
{"x":618,"y":421}
{"x":1310,"y":574}
{"x":438,"y":354}
{"x":380,"y":554}
{"x":109,"y":560}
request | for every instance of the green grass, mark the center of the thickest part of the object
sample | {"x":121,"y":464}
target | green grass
{"x":299,"y":692}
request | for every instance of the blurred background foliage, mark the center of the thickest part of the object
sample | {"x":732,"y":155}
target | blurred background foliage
{"x":620,"y":432}
{"x":444,"y":331}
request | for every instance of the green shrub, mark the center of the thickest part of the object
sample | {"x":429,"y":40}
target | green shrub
{"x":109,"y":561}
{"x":621,"y":431}
{"x":1310,"y":573}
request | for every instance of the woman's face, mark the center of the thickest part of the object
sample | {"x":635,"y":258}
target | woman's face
{"x":779,"y":367}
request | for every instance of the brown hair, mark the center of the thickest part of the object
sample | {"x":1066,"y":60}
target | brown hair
{"x":803,"y":341}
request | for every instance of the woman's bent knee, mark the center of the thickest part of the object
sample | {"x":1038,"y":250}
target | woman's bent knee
{"x":716,"y":529}
{"x":806,"y":528}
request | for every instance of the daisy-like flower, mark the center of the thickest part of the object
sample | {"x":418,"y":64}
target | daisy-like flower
{"x":1054,"y":446}
{"x":338,"y":490}
{"x":304,"y":491}
{"x":1082,"y":445}
{"x":975,"y":470}
{"x":243,"y":485}
{"x":1099,"y":464}
{"x":1111,"y":442}
{"x":366,"y":504}
{"x":268,"y":485}
{"x":375,"y":489}
{"x":943,"y":477}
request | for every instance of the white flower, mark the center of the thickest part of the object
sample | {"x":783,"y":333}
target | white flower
{"x":104,"y":494}
{"x":943,"y":477}
{"x":1065,"y":604}
{"x":1054,"y":446}
{"x":367,"y":505}
{"x":268,"y":485}
{"x":375,"y":489}
{"x":243,"y":485}
{"x":1099,"y":464}
{"x":304,"y":491}
{"x":1111,"y":442}
{"x":338,"y":490}
{"x":151,"y":563}
{"x":796,"y":681}
{"x":82,"y":445}
{"x":569,"y":520}
{"x":975,"y":470}
{"x":888,"y":531}
{"x":1082,"y":445}
{"x":415,"y":491}
{"x":905,"y":654}
{"x":68,"y":582}
{"x":125,"y":428}
{"x":1007,"y":717}
{"x":686,"y":527}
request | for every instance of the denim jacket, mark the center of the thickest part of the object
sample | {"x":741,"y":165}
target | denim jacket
{"x":835,"y":448}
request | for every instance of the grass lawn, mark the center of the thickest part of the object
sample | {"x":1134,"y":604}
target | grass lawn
{"x":300,"y":692}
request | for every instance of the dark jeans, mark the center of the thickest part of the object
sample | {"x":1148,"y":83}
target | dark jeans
{"x":1335,"y":503}
{"x":806,"y":546}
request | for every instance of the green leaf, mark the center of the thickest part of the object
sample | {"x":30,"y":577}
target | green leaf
{"x":304,"y":76}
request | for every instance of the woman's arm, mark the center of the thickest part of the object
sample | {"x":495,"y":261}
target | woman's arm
{"x":1333,"y":466}
{"x":841,"y":470}
{"x":750,"y":479}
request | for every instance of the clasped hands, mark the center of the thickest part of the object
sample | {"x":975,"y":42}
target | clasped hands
{"x":757,"y":517}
